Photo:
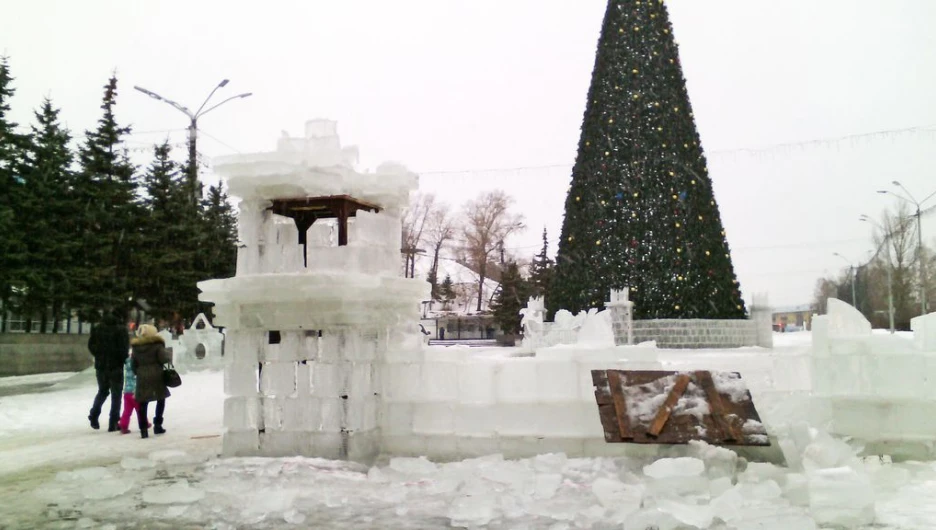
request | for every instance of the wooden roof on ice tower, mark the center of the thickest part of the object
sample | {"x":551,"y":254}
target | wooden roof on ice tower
{"x":305,"y":211}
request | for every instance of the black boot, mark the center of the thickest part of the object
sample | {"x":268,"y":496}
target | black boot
{"x":144,"y":433}
{"x":112,"y":426}
{"x":94,"y":422}
{"x":157,"y":426}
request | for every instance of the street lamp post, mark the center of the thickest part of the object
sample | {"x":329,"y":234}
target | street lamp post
{"x":193,"y":126}
{"x":918,"y":214}
{"x":853,"y":273}
{"x":890,"y":279}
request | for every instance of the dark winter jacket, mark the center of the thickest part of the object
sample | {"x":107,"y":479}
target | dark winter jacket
{"x":109,"y":343}
{"x":149,"y":356}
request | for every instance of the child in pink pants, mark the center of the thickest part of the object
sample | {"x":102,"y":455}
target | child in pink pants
{"x":129,"y":402}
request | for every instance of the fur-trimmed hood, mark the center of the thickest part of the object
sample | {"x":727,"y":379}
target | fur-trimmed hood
{"x":151,"y":339}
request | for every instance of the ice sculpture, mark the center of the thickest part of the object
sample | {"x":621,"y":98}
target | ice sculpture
{"x":317,"y":303}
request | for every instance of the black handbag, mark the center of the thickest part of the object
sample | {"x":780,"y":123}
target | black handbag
{"x":171,"y":377}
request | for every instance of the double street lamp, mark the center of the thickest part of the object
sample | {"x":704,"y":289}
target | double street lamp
{"x":890,"y":279}
{"x":918,"y":214}
{"x":853,"y":273}
{"x":193,"y":124}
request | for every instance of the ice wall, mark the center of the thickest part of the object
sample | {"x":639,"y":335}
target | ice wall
{"x":448,"y":404}
{"x":306,"y":395}
{"x":876,"y":387}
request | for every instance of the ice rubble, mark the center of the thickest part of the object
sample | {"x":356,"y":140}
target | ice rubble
{"x":711,"y":488}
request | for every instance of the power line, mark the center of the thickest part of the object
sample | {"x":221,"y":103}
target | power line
{"x":229,"y":146}
{"x":802,"y":245}
{"x":884,"y":133}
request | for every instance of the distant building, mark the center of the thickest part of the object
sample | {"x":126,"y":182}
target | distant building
{"x":793,"y":318}
{"x":458,"y":319}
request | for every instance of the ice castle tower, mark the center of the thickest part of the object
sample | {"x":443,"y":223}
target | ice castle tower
{"x":318,"y":302}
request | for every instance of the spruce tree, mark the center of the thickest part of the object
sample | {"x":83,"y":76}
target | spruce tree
{"x":447,"y":290}
{"x":109,"y":215}
{"x":168,"y":252}
{"x":219,"y":225}
{"x":510,"y":299}
{"x":640,"y":211}
{"x":542,"y":270}
{"x":48,"y":207}
{"x":12,"y":247}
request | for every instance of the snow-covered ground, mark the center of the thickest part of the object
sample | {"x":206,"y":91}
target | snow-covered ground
{"x":55,"y":472}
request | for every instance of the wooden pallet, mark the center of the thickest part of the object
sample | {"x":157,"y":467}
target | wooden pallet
{"x":715,"y":408}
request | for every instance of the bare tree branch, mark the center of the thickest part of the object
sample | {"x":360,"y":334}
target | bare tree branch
{"x":414,"y":223}
{"x":488,"y":223}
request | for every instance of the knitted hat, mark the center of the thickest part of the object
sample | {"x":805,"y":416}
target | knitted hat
{"x":148,"y":330}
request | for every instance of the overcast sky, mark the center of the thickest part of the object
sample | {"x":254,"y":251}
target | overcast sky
{"x":453,"y":87}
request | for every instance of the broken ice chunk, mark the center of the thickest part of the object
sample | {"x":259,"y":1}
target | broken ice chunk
{"x":841,"y":497}
{"x":413,"y":466}
{"x":473,"y":510}
{"x":675,"y":467}
{"x":612,"y":493}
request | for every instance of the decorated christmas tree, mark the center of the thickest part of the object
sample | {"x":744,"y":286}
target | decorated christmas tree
{"x":641,"y":212}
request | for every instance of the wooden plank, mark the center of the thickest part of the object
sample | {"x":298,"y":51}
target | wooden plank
{"x":683,"y":428}
{"x":602,"y":390}
{"x":717,"y":408}
{"x":620,"y":405}
{"x":664,"y":413}
{"x":609,"y":423}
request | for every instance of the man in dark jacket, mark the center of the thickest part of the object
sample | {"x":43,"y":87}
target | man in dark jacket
{"x":109,"y":343}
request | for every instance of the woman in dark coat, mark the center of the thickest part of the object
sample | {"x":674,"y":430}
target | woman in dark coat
{"x":149,"y":356}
